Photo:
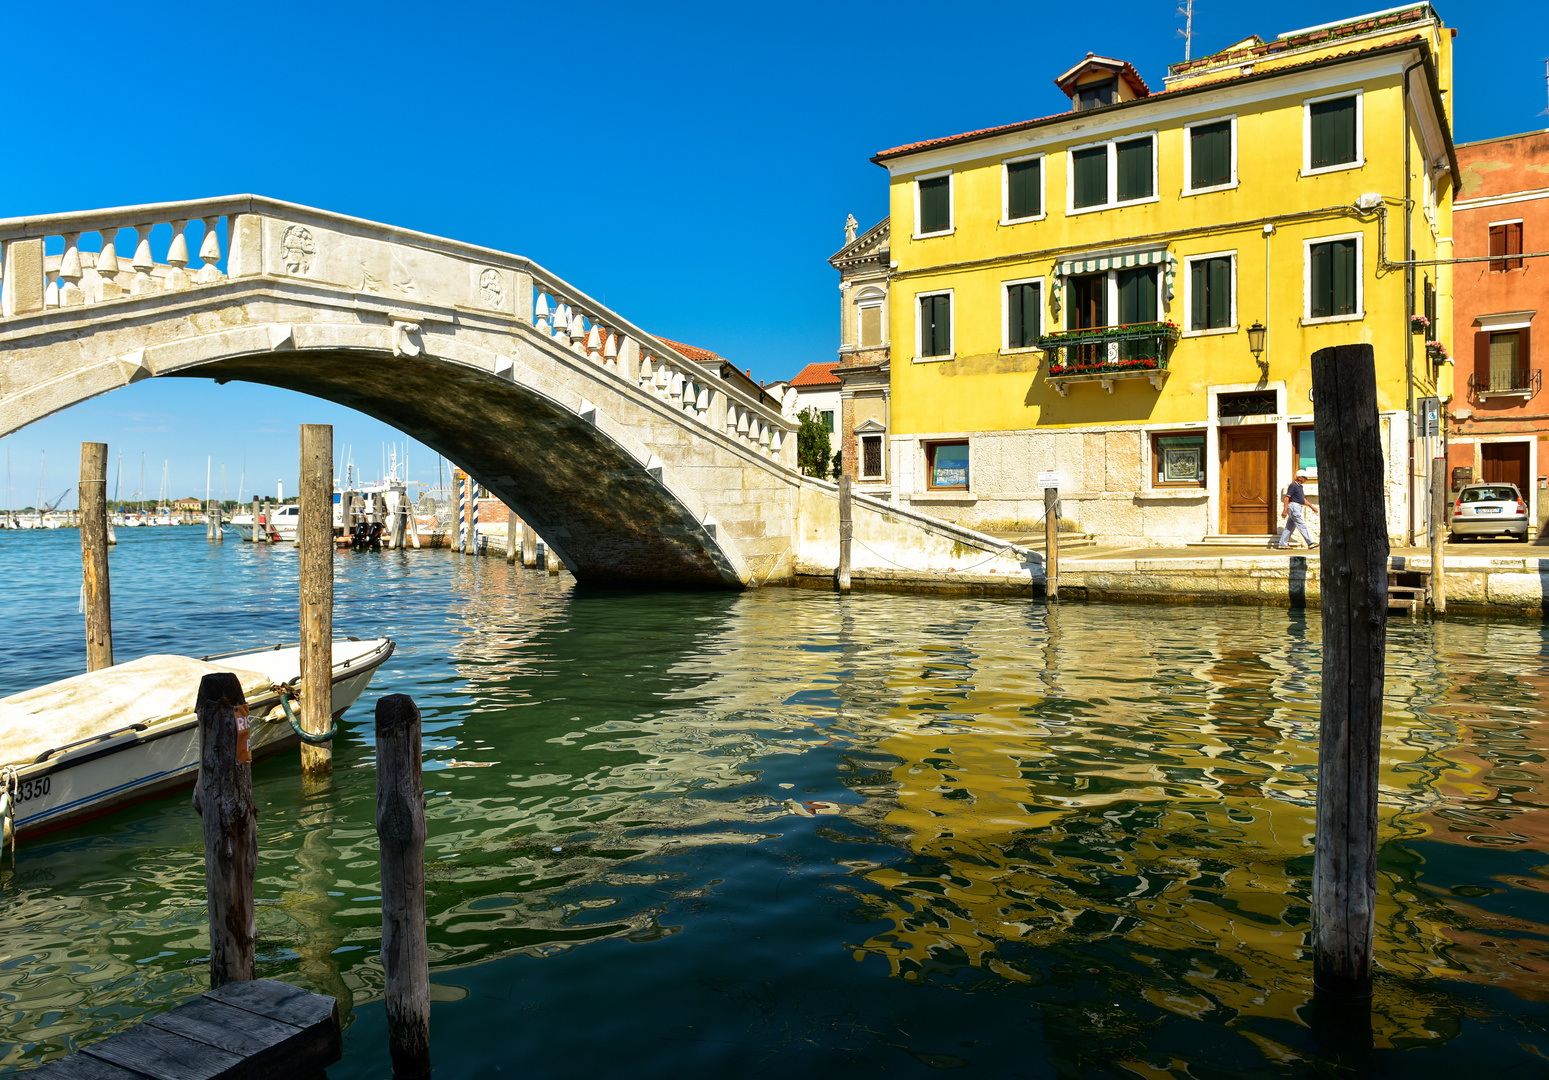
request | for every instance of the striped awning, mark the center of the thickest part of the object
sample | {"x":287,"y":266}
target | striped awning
{"x":1113,"y":262}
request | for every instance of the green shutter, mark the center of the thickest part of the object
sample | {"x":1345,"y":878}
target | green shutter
{"x":1014,"y":335}
{"x":1199,"y":318}
{"x":1022,"y":184}
{"x":1137,"y":295}
{"x":936,"y":204}
{"x":1091,"y":168}
{"x":1210,"y":155}
{"x":1322,"y":283}
{"x":935,"y":325}
{"x":1032,"y":313}
{"x":1344,"y":277}
{"x":1220,"y":274}
{"x":1333,"y":132}
{"x":1135,"y":169}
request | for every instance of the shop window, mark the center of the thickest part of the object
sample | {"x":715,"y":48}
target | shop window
{"x":946,"y":466}
{"x":871,"y":457}
{"x":1179,"y":458}
{"x":1304,"y":451}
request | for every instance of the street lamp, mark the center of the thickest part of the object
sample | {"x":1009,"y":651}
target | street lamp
{"x":1256,"y":339}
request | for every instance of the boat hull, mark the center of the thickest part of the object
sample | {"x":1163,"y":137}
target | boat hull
{"x":138,"y":764}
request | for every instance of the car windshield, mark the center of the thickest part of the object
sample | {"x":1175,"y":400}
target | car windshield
{"x":1489,"y":494}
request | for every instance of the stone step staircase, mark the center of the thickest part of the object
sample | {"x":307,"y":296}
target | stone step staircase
{"x":1234,"y":540}
{"x":1035,"y":541}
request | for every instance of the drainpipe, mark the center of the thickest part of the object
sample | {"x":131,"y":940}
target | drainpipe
{"x":1409,"y":291}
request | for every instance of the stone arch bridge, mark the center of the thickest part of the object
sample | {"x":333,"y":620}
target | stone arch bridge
{"x":633,"y":461}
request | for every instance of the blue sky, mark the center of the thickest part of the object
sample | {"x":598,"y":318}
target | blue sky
{"x":691,"y":165}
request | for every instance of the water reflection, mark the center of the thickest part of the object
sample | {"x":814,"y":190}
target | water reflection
{"x":1100,"y":815}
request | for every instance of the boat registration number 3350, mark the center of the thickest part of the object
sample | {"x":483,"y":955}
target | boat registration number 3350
{"x":33,"y":789}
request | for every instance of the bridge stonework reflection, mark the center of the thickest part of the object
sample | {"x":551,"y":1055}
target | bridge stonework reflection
{"x":633,"y":461}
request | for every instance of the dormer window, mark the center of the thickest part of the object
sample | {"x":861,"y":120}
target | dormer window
{"x":1093,"y":95}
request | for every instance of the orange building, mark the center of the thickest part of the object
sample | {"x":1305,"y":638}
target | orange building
{"x":1499,"y":416}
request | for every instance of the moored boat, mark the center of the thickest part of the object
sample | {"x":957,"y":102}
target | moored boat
{"x":80,"y":747}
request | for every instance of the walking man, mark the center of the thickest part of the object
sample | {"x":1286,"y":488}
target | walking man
{"x":1293,"y":506}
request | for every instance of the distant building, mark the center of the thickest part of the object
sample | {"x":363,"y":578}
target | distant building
{"x":863,"y":371}
{"x":816,"y":387}
{"x":1497,"y":419}
{"x":727,"y":370}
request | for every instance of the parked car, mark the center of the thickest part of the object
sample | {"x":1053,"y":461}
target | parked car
{"x":1490,"y":510}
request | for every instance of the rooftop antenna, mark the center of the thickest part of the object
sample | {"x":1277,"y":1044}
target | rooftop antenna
{"x":1187,"y":33}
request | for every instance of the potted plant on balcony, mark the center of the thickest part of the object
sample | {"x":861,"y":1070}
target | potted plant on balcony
{"x":1419,"y":324}
{"x":1436,"y":351}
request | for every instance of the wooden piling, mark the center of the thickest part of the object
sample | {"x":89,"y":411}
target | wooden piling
{"x":258,"y":531}
{"x":92,"y":498}
{"x":512,"y":543}
{"x":314,"y":535}
{"x":846,"y":531}
{"x":1438,"y":535}
{"x":220,"y":523}
{"x":550,"y":558}
{"x":400,"y":826}
{"x":1354,"y":603}
{"x":1051,"y":543}
{"x":529,"y":547}
{"x":223,"y":798}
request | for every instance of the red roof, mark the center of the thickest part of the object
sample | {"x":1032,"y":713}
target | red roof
{"x":692,"y":352}
{"x":817,"y":375}
{"x":969,"y":136}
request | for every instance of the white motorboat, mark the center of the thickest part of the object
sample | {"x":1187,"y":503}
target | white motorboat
{"x":279,"y":524}
{"x":83,"y":746}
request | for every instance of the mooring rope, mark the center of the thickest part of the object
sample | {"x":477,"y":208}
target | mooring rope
{"x":288,"y":692}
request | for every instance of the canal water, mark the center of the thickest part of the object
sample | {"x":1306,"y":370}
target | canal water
{"x":786,"y":834}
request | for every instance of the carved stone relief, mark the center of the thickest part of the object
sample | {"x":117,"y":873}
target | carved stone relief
{"x":491,"y":289}
{"x":296,"y":249}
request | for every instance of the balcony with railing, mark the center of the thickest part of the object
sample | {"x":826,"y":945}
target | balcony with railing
{"x":1505,"y":382}
{"x":1106,"y":354}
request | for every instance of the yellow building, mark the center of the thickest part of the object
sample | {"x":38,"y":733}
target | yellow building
{"x":1127,"y":293}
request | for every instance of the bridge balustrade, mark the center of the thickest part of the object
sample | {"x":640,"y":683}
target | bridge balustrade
{"x":282,"y":241}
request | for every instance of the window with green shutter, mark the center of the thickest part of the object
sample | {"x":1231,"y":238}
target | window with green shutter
{"x":1135,"y":169}
{"x":1210,"y":293}
{"x":1024,"y":189}
{"x":1331,"y":126}
{"x":1023,"y":320}
{"x":936,"y":325}
{"x":1333,"y":279}
{"x":1091,"y":176}
{"x":1137,"y":295}
{"x":1210,"y":155}
{"x":935,"y":204}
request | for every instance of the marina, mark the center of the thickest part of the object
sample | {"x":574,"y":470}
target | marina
{"x":783,"y":831}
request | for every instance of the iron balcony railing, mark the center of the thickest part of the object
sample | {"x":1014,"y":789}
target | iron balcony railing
{"x":1137,"y":349}
{"x":1514,"y":381}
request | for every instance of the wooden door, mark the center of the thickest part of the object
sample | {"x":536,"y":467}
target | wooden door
{"x":1505,"y":463}
{"x":1248,"y":502}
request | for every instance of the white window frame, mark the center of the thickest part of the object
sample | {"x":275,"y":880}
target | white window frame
{"x":1188,"y":156}
{"x":919,"y":326}
{"x":1360,"y":279}
{"x":1113,"y":203}
{"x":1112,"y":285}
{"x":1494,"y":224}
{"x":1005,"y":312}
{"x":951,"y":203}
{"x":860,"y":464}
{"x":1360,"y":132}
{"x":1188,"y":294}
{"x":870,"y":296}
{"x":1005,"y":189}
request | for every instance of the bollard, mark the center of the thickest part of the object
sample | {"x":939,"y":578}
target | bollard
{"x":223,"y":798}
{"x":92,"y":497}
{"x":314,"y":537}
{"x":1354,"y":603}
{"x":400,"y":826}
{"x":1051,"y":543}
{"x":846,"y":529}
{"x":529,"y":547}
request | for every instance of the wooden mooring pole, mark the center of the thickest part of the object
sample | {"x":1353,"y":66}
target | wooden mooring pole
{"x":314,"y":536}
{"x":1438,"y":534}
{"x":513,"y":544}
{"x":1051,"y":543}
{"x":846,"y":531}
{"x":400,"y":826}
{"x":1354,"y":604}
{"x":223,"y":798}
{"x":550,"y":558}
{"x":529,"y":547}
{"x":92,"y":498}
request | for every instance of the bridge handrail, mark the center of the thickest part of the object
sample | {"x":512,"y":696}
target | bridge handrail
{"x":605,"y":336}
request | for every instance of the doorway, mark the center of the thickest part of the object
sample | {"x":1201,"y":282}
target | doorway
{"x":1505,"y":463}
{"x":1247,"y":495}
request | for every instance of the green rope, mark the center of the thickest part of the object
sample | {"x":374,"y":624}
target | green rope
{"x":306,"y":736}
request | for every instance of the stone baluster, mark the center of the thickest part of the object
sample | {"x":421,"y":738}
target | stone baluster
{"x":107,"y":266}
{"x":732,"y":409}
{"x":690,"y":395}
{"x":702,"y":403}
{"x":610,"y":352}
{"x":541,"y":315}
{"x":210,"y":251}
{"x":562,"y":323}
{"x":70,"y":294}
{"x":647,"y":369}
{"x":143,"y":263}
{"x":578,"y":333}
{"x":744,"y":422}
{"x":663,"y":384}
{"x":776,"y":440}
{"x":594,"y":344}
{"x":177,"y":256}
{"x":51,"y":290}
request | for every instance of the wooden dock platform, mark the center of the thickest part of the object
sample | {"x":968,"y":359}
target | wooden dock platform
{"x":243,"y":1030}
